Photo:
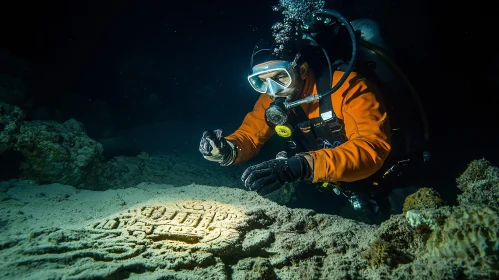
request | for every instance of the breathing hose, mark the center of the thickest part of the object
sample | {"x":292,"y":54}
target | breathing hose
{"x":351,"y":63}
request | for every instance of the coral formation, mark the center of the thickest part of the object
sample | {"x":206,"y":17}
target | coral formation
{"x":465,"y":234}
{"x":470,"y":232}
{"x":56,"y":152}
{"x":479,"y":184}
{"x":53,"y":152}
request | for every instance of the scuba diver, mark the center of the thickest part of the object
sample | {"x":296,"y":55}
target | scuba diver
{"x":333,"y":120}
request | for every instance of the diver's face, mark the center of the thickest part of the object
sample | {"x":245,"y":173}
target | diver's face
{"x":280,"y":76}
{"x":291,"y":82}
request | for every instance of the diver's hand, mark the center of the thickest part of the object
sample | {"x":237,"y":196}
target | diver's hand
{"x":271,"y":175}
{"x":214,"y":147}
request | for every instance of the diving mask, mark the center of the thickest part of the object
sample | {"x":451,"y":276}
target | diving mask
{"x":272,"y":78}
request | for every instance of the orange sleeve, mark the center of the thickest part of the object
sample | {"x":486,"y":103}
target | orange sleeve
{"x":367,"y":130}
{"x":253,"y":132}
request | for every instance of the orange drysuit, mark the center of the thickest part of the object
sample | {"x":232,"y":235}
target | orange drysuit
{"x":366,"y":127}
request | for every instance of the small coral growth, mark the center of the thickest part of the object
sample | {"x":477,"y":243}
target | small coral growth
{"x":383,"y":253}
{"x":424,"y":198}
{"x":378,"y":253}
{"x":395,"y":242}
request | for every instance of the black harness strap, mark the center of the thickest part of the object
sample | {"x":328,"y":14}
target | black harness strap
{"x":326,"y":131}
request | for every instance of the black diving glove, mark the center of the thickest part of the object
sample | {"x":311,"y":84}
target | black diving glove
{"x":271,"y":175}
{"x":215,"y":148}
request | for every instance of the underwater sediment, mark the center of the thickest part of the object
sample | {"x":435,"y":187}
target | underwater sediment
{"x":155,"y":231}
